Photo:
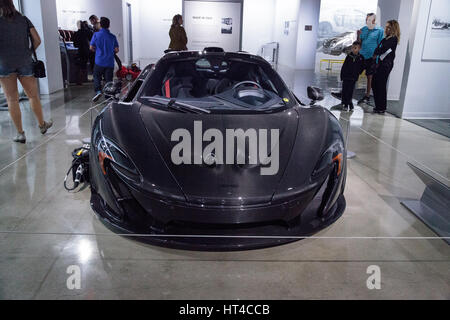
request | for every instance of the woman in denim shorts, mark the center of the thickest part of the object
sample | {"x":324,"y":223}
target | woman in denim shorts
{"x":16,"y":64}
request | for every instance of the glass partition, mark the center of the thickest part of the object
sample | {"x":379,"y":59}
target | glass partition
{"x":338,"y":23}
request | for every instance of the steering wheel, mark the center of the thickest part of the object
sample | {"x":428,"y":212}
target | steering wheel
{"x":247,"y":82}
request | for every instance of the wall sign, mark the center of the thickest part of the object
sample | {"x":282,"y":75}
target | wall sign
{"x":213,"y":24}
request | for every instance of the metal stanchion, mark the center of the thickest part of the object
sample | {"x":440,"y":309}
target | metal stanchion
{"x":93,"y":106}
{"x":350,"y":154}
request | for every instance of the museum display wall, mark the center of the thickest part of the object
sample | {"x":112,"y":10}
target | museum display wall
{"x":425,"y":86}
{"x":293,"y":25}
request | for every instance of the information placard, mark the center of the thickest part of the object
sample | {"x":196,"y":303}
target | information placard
{"x":213,"y":24}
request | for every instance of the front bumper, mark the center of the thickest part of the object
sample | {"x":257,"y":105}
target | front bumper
{"x":231,"y":238}
{"x":184,"y":226}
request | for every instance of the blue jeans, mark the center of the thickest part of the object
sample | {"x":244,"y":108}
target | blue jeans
{"x":101,"y":73}
{"x":24,"y":71}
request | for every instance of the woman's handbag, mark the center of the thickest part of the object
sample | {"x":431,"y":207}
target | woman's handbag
{"x":38,"y":65}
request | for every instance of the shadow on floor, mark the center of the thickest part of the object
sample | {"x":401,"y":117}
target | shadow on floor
{"x":439,"y":126}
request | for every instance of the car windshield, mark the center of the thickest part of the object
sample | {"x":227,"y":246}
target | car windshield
{"x":219,"y":83}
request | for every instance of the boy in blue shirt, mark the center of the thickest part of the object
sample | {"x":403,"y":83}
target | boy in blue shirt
{"x":370,"y":36}
{"x":105,"y":46}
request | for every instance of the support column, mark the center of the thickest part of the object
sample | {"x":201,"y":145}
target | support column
{"x":308,"y":25}
{"x":42,"y":14}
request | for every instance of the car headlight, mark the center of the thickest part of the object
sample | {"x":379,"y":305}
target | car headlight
{"x":333,"y":155}
{"x":109,"y":151}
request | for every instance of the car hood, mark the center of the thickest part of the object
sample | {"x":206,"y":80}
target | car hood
{"x":222,"y":185}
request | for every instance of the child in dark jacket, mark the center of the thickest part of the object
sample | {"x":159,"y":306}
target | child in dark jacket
{"x":352,"y":68}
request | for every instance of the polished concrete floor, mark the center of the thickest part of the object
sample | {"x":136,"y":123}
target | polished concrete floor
{"x":441,"y":126}
{"x":44,"y":230}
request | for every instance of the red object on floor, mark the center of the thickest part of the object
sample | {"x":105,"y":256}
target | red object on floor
{"x":124,"y":72}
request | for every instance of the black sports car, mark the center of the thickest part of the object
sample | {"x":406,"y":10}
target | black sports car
{"x":211,"y":151}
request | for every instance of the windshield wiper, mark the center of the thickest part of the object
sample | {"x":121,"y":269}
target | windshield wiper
{"x":178,"y":106}
{"x":181,"y":106}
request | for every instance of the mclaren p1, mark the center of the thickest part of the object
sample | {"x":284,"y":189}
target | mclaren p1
{"x":211,"y":151}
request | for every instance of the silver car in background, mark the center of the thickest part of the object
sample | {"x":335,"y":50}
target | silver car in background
{"x":340,"y":44}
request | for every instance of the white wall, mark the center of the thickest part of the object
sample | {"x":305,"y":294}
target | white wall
{"x":258,"y":24}
{"x":42,"y":14}
{"x":286,"y":10}
{"x":153,"y":32}
{"x":309,"y":14}
{"x":69,"y":11}
{"x":425,"y":92}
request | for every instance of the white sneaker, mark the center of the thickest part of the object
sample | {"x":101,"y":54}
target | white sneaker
{"x":46,"y":126}
{"x":20,"y":138}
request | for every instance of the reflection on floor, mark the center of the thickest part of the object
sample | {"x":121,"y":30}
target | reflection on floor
{"x":44,"y":230}
{"x":441,"y":126}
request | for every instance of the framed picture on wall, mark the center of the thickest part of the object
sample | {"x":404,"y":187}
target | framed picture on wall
{"x":437,"y":37}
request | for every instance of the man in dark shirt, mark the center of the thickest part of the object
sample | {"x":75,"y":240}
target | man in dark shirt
{"x":352,"y":68}
{"x":93,"y":28}
{"x":95,"y":23}
{"x":105,"y":45}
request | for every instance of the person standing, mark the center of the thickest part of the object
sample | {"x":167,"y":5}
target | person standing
{"x":93,"y":28}
{"x":350,"y":72}
{"x":95,"y":23}
{"x":178,"y":37}
{"x":81,"y":40}
{"x":105,"y":46}
{"x":370,"y":37}
{"x":384,"y":55}
{"x":16,"y":63}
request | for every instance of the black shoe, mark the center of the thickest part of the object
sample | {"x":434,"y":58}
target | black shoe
{"x":376,"y":111}
{"x":348,"y":107}
{"x":337,"y":95}
{"x":364,"y":99}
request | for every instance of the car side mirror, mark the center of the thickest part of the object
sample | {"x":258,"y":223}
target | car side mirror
{"x":315,"y":94}
{"x":112,"y":90}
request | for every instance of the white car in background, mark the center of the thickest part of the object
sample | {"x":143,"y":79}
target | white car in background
{"x":339,"y":21}
{"x":340,"y":44}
